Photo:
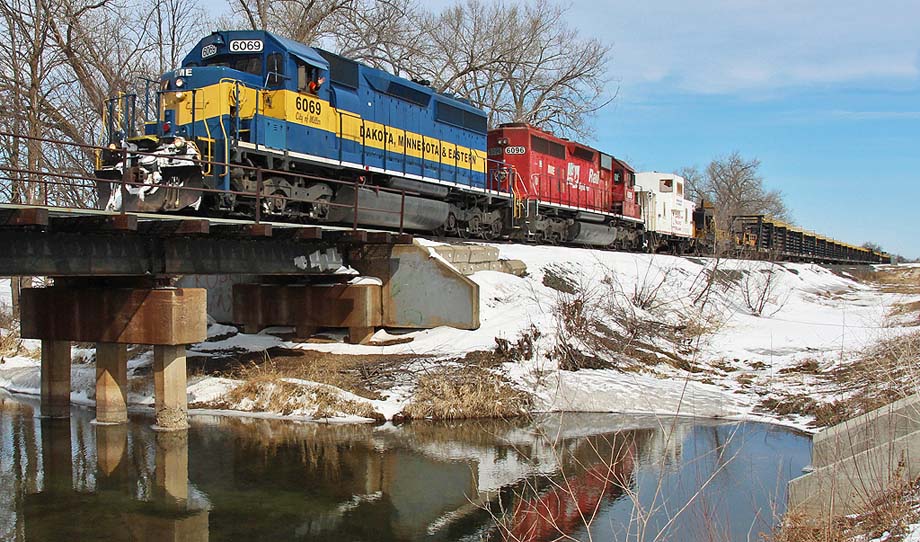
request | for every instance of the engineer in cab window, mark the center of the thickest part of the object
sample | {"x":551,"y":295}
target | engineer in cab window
{"x":315,"y":84}
{"x":308,"y":80}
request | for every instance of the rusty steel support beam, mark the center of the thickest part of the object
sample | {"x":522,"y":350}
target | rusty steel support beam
{"x":168,"y":316}
{"x":163,"y":251}
{"x":24,"y":217}
{"x":357,"y":307}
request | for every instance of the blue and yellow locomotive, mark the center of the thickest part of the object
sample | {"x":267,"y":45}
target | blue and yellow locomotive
{"x":251,"y":99}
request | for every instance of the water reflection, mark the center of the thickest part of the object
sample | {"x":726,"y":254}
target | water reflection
{"x":247,"y":479}
{"x":72,"y":480}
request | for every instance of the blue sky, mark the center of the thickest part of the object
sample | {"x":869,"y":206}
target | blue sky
{"x":826,"y":95}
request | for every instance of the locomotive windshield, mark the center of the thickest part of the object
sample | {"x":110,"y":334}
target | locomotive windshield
{"x":244,"y":63}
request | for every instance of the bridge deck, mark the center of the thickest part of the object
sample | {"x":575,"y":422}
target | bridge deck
{"x":61,"y":242}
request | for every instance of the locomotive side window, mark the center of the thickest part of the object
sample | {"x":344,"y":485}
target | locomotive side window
{"x":617,"y":177}
{"x":545,"y":146}
{"x":342,"y":71}
{"x":305,"y":75}
{"x":680,"y":189}
{"x":275,"y":69}
{"x":666,"y":185}
{"x":606,"y":161}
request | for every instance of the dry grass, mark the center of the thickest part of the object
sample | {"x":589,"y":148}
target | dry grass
{"x":459,"y":392}
{"x":10,"y":341}
{"x":883,"y":374}
{"x":268,"y":391}
{"x":362,"y":375}
{"x":900,"y":309}
{"x":889,"y":279}
{"x":892,"y":512}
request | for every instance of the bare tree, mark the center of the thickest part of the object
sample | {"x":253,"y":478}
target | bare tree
{"x":694,"y":183}
{"x":519,"y":62}
{"x":734,"y":185}
{"x":384,"y":34}
{"x":873,"y":246}
{"x":306,"y":21}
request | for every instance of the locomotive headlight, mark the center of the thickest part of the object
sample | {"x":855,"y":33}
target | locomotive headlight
{"x":180,"y":82}
{"x":180,"y":96}
{"x":503,"y":141}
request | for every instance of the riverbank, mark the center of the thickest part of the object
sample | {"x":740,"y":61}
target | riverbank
{"x":583,"y":331}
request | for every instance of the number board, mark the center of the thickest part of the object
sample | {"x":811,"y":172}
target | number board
{"x":208,"y":50}
{"x":515,"y":150}
{"x":245,"y":46}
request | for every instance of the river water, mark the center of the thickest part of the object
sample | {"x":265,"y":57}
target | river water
{"x":589,"y":476}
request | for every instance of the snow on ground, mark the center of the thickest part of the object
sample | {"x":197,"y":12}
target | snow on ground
{"x":811,"y":313}
{"x":6,"y":294}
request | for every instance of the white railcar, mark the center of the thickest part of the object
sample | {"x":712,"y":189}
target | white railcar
{"x":668,"y":216}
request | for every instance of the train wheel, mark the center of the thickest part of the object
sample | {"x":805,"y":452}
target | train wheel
{"x":451,"y":227}
{"x":555,"y":238}
{"x":474,"y":227}
{"x":493,"y":231}
{"x":276,"y":203}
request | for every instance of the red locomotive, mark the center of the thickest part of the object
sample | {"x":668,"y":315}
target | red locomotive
{"x":565,"y":191}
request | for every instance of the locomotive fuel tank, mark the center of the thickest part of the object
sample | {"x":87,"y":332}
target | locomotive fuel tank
{"x":585,"y":233}
{"x":382,"y":209}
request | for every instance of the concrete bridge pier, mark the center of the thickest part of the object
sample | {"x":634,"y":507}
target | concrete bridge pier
{"x":113,"y":317}
{"x":111,"y":383}
{"x":55,"y":385}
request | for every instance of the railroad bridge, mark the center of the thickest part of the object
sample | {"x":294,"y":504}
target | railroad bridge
{"x":131,"y":278}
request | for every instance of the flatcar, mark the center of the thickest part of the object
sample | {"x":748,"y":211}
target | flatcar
{"x":763,"y":236}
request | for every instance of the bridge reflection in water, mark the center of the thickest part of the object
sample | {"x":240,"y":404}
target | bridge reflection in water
{"x":247,"y":479}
